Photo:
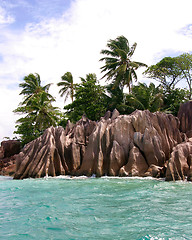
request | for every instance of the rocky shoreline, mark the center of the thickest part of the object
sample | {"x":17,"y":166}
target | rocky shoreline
{"x":140,"y":144}
{"x":8,"y":151}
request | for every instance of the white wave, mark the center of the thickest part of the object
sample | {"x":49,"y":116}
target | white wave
{"x":3,"y":178}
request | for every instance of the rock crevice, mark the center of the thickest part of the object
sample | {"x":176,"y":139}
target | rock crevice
{"x":139,"y":144}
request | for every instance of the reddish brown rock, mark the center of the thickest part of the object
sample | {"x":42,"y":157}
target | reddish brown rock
{"x":138,"y":144}
{"x":116,"y":159}
{"x":94,"y":157}
{"x":54,"y":153}
{"x":1,"y":152}
{"x":42,"y":156}
{"x":8,"y":166}
{"x":185,"y":117}
{"x":156,"y":171}
{"x":10,"y":147}
{"x":136,"y":165}
{"x":129,"y":144}
{"x":8,"y":150}
{"x":75,"y":142}
{"x":179,"y":165}
{"x":9,"y":170}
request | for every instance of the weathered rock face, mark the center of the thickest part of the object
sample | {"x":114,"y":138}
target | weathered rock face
{"x":1,"y":152}
{"x":8,"y":166}
{"x":185,"y":118}
{"x":56,"y":152}
{"x":41,"y":157}
{"x":180,"y":163}
{"x":8,"y":150}
{"x":136,"y":165}
{"x":127,"y":145}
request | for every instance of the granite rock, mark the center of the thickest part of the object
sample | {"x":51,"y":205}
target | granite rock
{"x":139,"y":144}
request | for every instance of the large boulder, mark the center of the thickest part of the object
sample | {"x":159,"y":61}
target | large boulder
{"x":180,"y":163}
{"x":185,"y":118}
{"x":129,"y":144}
{"x":1,"y":152}
{"x":136,"y":165}
{"x":56,"y":152}
{"x":139,"y":144}
{"x":8,"y":151}
{"x":9,"y":148}
{"x":8,"y":166}
{"x":43,"y":156}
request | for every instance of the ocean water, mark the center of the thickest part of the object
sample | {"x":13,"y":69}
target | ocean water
{"x":95,"y":208}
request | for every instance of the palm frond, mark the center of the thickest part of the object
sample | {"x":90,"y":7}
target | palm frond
{"x":108,"y":53}
{"x":118,"y":66}
{"x":68,"y":87}
{"x":132,"y":50}
{"x":122,"y":54}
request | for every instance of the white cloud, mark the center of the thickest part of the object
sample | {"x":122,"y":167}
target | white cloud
{"x":8,"y":99}
{"x":5,"y":18}
{"x":73,"y":42}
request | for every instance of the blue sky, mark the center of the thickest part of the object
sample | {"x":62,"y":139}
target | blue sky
{"x":24,"y":11}
{"x":53,"y":37}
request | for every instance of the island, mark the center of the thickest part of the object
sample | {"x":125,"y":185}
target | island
{"x":140,"y":144}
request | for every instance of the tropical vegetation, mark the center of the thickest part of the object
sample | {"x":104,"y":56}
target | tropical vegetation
{"x":90,"y":98}
{"x":119,"y":68}
{"x":37,"y":109}
{"x":145,"y":97}
{"x":67,"y":86}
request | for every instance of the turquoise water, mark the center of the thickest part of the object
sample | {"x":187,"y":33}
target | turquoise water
{"x":95,"y":208}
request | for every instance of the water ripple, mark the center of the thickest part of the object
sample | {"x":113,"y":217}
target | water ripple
{"x":92,"y":208}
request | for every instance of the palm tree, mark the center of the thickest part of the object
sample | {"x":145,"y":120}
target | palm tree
{"x":68,"y":87}
{"x":32,"y":88}
{"x":115,"y":99}
{"x":118,"y":65}
{"x":89,"y":100}
{"x":145,"y":97}
{"x":37,"y":107}
{"x":39,"y":115}
{"x":42,"y":113}
{"x":166,"y":72}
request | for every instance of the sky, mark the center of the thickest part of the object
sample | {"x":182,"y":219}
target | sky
{"x":53,"y":37}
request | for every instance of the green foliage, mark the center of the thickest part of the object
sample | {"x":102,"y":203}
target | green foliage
{"x":166,"y":72}
{"x":67,"y":86}
{"x":169,"y":71}
{"x":89,"y":100}
{"x":93,"y":100}
{"x":174,"y":99}
{"x":155,"y":99}
{"x":118,"y":65}
{"x":26,"y":130}
{"x":32,"y":87}
{"x":184,"y":62}
{"x":37,"y":108}
{"x":145,"y":97}
{"x":114,"y":99}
